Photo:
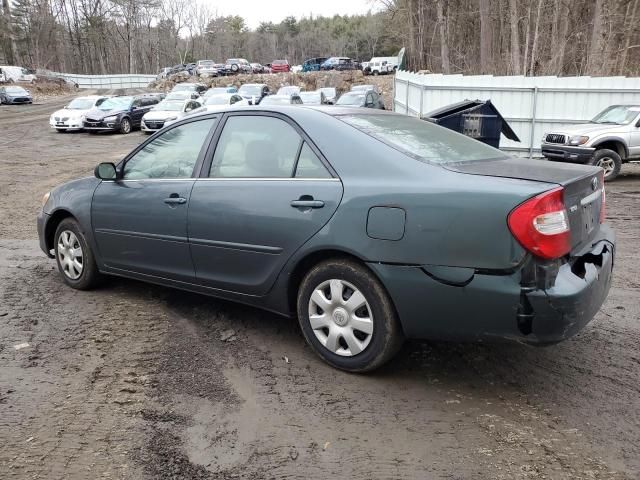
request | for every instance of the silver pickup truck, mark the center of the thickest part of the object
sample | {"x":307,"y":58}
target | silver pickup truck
{"x":609,"y":140}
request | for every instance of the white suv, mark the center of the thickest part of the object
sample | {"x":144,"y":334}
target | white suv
{"x":609,"y":140}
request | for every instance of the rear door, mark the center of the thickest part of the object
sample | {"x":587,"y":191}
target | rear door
{"x":264,"y":193}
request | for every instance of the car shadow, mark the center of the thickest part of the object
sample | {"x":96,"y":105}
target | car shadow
{"x":453,"y":364}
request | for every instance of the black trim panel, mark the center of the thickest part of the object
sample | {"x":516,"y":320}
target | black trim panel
{"x":151,"y":236}
{"x":237,"y":246}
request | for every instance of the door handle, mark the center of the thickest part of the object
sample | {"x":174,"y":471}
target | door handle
{"x":175,"y":201}
{"x":307,"y":204}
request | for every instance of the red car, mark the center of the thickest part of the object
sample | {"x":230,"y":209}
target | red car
{"x":278,"y":66}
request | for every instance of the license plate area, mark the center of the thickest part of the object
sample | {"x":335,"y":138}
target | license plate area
{"x":588,"y":218}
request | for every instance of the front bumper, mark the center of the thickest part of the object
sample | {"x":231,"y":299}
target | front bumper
{"x":498,"y":307}
{"x":42,"y":220}
{"x":68,"y":125}
{"x":566,"y":153}
{"x":152,"y":125}
{"x":101,"y":126}
{"x":18,"y":100}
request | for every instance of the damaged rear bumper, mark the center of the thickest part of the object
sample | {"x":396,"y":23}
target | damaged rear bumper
{"x":534,"y":304}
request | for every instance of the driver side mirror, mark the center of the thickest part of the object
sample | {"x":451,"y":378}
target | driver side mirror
{"x":106,"y":171}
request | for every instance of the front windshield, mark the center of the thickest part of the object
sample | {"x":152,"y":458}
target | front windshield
{"x":276,"y":100}
{"x":177,"y":96}
{"x":215,"y":91}
{"x":288,"y":90}
{"x":423,"y":140}
{"x":80,"y":104}
{"x":311,"y":97}
{"x":351,"y":99}
{"x":250,"y":90}
{"x":617,"y":115}
{"x":16,"y":90}
{"x":120,"y":103}
{"x":218,"y":100}
{"x":183,"y":87}
{"x":169,"y":106}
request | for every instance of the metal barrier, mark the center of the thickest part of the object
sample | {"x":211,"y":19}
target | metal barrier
{"x":108,"y":81}
{"x":531,"y":105}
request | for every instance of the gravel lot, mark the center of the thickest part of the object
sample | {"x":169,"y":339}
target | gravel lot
{"x":139,"y":381}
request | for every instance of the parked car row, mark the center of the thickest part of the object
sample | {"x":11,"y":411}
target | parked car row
{"x":94,"y":113}
{"x":152,"y":112}
{"x":241,"y":65}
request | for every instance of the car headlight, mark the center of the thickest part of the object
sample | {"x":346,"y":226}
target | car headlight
{"x":578,"y":140}
{"x":111,"y":119}
{"x":45,"y":198}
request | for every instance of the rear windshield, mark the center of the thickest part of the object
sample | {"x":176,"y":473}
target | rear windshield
{"x":423,"y":140}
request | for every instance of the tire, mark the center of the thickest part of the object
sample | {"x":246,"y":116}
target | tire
{"x":366,"y":350}
{"x":609,"y":161}
{"x":125,"y":126}
{"x":376,"y":73}
{"x":67,"y":238}
{"x":234,"y":68}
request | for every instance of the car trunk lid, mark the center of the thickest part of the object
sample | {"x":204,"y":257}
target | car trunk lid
{"x":583,"y":188}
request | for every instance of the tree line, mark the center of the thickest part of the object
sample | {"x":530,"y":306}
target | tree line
{"x":520,"y":37}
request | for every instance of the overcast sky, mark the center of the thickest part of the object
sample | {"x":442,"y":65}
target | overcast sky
{"x":256,"y":11}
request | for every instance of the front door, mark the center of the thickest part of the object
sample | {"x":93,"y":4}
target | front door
{"x":265,"y":194}
{"x":140,"y":220}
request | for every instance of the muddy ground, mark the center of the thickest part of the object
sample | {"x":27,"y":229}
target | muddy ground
{"x":138,"y":381}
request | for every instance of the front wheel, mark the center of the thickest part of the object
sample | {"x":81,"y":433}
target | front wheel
{"x":74,"y":257}
{"x":347,"y":317}
{"x":125,"y":126}
{"x":609,"y":161}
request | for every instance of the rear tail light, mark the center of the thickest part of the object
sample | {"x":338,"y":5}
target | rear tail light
{"x":603,"y":204}
{"x":541,"y":225}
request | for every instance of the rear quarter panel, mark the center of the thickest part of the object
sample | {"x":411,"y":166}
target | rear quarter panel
{"x":452,"y":219}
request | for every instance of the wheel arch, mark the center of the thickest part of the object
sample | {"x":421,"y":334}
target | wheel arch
{"x":615,"y":144}
{"x":52,"y":225}
{"x":306,"y":263}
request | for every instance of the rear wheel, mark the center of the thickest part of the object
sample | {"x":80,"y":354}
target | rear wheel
{"x":74,"y":257}
{"x":609,"y":161}
{"x":347,"y":317}
{"x":125,"y":126}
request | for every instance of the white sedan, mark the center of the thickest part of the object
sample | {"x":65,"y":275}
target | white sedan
{"x":215,"y":102}
{"x":168,"y":111}
{"x":72,"y":116}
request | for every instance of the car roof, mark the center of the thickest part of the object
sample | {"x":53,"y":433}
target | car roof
{"x":252,"y":85}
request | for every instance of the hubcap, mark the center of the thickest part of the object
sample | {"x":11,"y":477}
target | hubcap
{"x":126,"y":126}
{"x":341,"y":318}
{"x":70,"y":255}
{"x":607,"y":164}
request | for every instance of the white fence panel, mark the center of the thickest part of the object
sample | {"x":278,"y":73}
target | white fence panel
{"x":109,"y":81}
{"x":531,"y":105}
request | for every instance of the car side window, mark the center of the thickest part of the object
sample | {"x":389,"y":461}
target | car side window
{"x":255,"y":146}
{"x":171,"y":155}
{"x":309,"y":165}
{"x":137,"y":103}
